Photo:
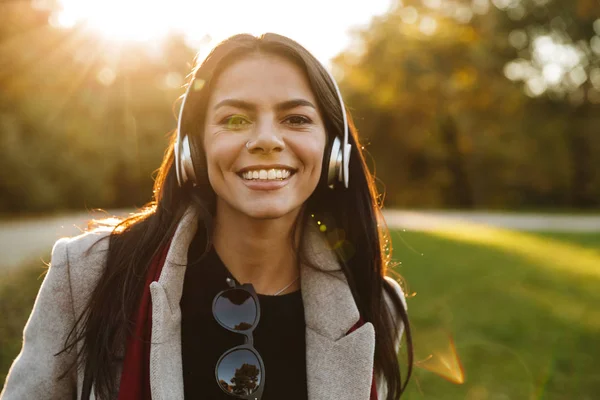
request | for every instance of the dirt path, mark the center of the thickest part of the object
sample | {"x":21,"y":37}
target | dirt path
{"x":28,"y":239}
{"x":432,"y":220}
{"x":25,"y":240}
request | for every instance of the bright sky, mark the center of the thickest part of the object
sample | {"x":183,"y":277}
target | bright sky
{"x":322,"y":26}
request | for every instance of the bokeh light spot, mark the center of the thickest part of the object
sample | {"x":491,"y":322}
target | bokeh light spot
{"x":428,"y":26}
{"x":409,"y":15}
{"x":106,"y":76}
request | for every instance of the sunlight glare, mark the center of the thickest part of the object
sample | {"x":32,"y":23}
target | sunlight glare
{"x":550,"y":253}
{"x":322,"y":27}
{"x":119,"y":20}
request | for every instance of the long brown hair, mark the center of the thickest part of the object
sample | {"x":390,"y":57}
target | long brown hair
{"x":364,"y":254}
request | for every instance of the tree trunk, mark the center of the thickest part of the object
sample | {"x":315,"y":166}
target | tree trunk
{"x":459,"y":192}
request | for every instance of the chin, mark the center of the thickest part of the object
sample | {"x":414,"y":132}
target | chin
{"x":268,"y":210}
{"x":267,"y":213}
{"x":265,"y":216}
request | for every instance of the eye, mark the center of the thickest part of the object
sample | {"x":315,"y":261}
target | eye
{"x":235,"y":122}
{"x":297,"y":120}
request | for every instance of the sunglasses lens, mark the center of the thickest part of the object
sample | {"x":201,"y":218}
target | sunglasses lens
{"x":236,"y":309}
{"x":239,"y":372}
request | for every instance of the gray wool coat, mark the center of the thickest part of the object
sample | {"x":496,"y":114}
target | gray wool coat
{"x":338,"y":366}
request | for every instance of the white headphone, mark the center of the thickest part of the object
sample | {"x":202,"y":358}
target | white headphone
{"x":339,"y":158}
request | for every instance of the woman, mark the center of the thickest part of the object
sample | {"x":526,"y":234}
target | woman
{"x":265,"y":212}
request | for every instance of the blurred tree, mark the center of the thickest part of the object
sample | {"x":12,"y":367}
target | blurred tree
{"x":558,"y":59}
{"x":447,"y":128}
{"x":463,"y":103}
{"x":83,"y":121}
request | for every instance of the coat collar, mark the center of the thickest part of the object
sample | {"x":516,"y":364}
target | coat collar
{"x":338,"y":365}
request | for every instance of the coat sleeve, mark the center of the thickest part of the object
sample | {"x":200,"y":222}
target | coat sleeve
{"x":34,"y":373}
{"x":397,"y":321}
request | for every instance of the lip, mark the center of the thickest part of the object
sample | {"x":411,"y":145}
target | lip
{"x":266,"y":185}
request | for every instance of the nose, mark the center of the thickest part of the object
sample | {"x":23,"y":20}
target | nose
{"x":266,"y":140}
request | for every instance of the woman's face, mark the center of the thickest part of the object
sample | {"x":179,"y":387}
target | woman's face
{"x":264,"y":138}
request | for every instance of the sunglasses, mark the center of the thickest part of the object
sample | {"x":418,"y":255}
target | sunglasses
{"x":240,"y":371}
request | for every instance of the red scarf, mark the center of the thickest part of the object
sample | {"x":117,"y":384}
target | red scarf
{"x":135,"y":378}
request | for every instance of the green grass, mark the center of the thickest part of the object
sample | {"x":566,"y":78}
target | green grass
{"x":521,"y":309}
{"x":558,"y":212}
{"x":18,"y":288}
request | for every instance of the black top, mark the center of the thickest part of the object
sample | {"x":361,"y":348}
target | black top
{"x":279,"y":336}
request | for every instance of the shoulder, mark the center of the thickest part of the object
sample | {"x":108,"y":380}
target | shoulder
{"x":397,"y":322}
{"x":394,"y":312}
{"x":34,"y":373}
{"x":94,"y":242}
{"x":84,"y":259}
{"x":397,"y":291}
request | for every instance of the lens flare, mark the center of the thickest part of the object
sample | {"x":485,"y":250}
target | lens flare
{"x":443,"y":359}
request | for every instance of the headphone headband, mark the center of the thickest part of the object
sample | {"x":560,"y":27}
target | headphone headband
{"x":346,"y":147}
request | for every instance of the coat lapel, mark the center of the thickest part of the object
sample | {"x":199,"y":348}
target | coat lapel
{"x":339,"y":366}
{"x":166,"y":371}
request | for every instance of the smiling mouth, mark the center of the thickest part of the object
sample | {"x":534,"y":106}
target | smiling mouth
{"x":265,"y":175}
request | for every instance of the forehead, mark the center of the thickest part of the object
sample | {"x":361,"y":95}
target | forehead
{"x":260,"y":78}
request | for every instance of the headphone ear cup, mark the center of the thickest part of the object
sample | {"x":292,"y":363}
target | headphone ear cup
{"x":184,"y":164}
{"x":198,"y":161}
{"x":334,"y":162}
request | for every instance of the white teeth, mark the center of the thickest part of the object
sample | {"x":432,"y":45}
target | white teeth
{"x":263,"y":174}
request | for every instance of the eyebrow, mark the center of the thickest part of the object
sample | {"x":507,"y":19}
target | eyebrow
{"x":245,"y":105}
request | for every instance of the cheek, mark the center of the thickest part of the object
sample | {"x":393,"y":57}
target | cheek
{"x":311,"y":152}
{"x":220,"y":155}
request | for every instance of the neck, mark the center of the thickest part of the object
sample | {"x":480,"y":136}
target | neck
{"x":263,"y":250}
